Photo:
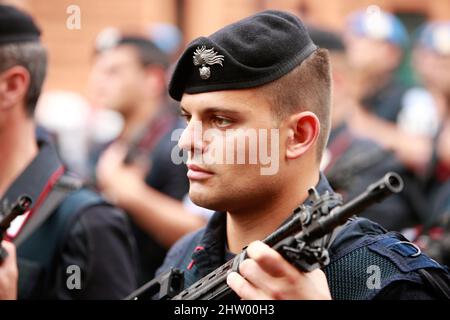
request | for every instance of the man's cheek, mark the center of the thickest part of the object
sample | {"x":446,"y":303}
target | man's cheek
{"x":214,"y":152}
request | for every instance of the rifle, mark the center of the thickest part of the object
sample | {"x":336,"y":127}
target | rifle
{"x":7,"y":215}
{"x":303,"y":241}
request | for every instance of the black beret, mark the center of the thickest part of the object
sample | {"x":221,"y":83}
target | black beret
{"x":246,"y":54}
{"x":16,"y":26}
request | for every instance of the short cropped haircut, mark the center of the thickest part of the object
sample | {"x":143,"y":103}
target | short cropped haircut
{"x":306,"y":88}
{"x":33,"y":57}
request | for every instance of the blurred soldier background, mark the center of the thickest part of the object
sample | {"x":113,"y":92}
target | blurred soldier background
{"x":69,"y":230}
{"x":431,"y":57}
{"x":352,"y":162}
{"x":137,"y":171}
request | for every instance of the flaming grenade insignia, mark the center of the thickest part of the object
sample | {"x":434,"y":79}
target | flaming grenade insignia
{"x":203,"y":57}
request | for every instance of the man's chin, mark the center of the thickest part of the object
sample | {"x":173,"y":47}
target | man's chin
{"x":205,"y":199}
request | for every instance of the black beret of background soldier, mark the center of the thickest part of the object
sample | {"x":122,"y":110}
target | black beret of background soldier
{"x":264,"y":72}
{"x":72,"y":244}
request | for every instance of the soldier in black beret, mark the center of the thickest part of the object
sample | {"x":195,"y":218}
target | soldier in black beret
{"x":72,"y":244}
{"x":264,"y":74}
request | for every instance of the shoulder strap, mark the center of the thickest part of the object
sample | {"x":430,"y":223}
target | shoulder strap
{"x":45,"y":239}
{"x":62,"y":188}
{"x":37,"y":253}
{"x":438,"y":285}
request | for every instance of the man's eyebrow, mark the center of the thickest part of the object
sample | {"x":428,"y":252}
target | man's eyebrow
{"x":212,"y":110}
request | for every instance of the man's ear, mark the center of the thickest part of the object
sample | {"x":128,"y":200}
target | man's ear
{"x":303,"y":131}
{"x":14,"y":83}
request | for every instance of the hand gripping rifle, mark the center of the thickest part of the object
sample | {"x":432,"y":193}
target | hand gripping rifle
{"x":8,"y":214}
{"x":303,"y":241}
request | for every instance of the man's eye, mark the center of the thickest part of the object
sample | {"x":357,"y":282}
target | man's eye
{"x":222,"y":122}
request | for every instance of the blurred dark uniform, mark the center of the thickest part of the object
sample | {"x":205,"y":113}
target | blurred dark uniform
{"x":434,"y":234}
{"x":71,"y":244}
{"x":355,"y":163}
{"x":81,"y":230}
{"x":151,"y":147}
{"x":165,"y":176}
{"x":386,"y":102}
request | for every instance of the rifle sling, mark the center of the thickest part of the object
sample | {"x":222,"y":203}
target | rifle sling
{"x":61,"y":189}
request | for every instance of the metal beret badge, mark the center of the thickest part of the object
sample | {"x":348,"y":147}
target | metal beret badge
{"x":203,"y":57}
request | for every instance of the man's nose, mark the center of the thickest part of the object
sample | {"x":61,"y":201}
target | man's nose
{"x":191,"y":138}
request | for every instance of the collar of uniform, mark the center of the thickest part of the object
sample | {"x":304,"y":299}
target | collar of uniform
{"x":36,"y":175}
{"x":322,"y":186}
{"x":214,"y":237}
{"x":213,"y":242}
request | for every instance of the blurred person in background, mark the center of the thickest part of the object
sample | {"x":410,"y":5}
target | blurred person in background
{"x":136,"y":171}
{"x":431,"y":60}
{"x":167,"y":37}
{"x":68,"y":126}
{"x":421,"y":138}
{"x":71,"y":244}
{"x":350,"y":162}
{"x":375,"y":42}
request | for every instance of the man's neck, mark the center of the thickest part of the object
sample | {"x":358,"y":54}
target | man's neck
{"x":258,"y":223}
{"x":18,"y":147}
{"x":137,"y":118}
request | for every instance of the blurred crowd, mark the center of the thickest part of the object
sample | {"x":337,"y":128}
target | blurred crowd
{"x":118,"y":138}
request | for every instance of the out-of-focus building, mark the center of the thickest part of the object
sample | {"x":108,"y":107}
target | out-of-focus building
{"x":71,"y":47}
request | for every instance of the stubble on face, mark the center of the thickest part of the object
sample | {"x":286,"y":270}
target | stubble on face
{"x":232,"y":186}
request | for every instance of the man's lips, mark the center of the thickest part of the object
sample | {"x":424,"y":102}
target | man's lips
{"x":197,"y":173}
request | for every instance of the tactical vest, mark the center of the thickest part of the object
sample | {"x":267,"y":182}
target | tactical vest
{"x":358,"y":270}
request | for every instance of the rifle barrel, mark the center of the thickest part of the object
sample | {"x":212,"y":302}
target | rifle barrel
{"x":390,"y":183}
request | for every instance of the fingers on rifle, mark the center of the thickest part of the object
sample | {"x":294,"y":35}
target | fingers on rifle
{"x":243,"y":288}
{"x":270,"y":261}
{"x":252,"y":272}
